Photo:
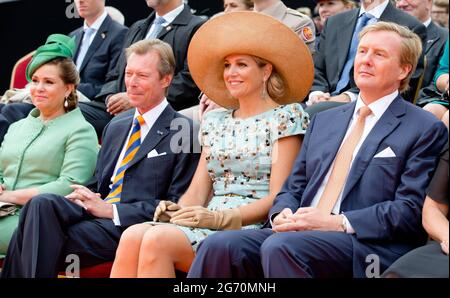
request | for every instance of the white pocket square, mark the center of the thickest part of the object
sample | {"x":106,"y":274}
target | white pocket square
{"x":154,"y":153}
{"x":385,"y":153}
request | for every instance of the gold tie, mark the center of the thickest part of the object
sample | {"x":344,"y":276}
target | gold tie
{"x":342,"y":162}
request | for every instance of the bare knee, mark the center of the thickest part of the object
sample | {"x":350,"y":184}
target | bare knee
{"x":134,"y":235}
{"x":436,"y":109}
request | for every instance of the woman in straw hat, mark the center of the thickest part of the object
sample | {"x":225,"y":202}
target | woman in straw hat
{"x":54,"y":146}
{"x":256,"y":67}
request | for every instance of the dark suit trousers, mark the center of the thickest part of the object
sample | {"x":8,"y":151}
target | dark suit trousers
{"x":52,"y":227}
{"x":263,"y":253}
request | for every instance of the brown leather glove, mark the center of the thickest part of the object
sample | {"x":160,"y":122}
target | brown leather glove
{"x":164,"y":211}
{"x":200,"y":217}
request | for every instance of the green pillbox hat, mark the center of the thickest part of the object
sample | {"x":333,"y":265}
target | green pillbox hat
{"x":57,"y":45}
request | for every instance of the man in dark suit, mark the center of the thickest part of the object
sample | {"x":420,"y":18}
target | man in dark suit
{"x":176,"y":28}
{"x":332,"y":56}
{"x":434,"y":48}
{"x":99,"y":44}
{"x":352,"y":204}
{"x":144,"y":158}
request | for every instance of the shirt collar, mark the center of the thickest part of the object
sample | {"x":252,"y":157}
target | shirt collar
{"x":98,"y":22}
{"x":427,"y":22}
{"x":376,"y":11}
{"x":171,"y":15}
{"x":377,"y":107}
{"x":151,"y":116}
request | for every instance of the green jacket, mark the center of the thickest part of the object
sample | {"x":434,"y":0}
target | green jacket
{"x":50,"y":156}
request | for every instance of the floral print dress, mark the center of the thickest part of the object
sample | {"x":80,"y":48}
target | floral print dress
{"x":240,"y":156}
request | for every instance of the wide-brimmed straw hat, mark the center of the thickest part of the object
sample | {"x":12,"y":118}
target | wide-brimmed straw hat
{"x":249,"y":33}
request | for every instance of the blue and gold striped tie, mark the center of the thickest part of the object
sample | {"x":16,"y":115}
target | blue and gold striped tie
{"x":134,"y":142}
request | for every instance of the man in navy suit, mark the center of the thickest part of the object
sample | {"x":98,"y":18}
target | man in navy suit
{"x":90,"y":221}
{"x":99,"y":44}
{"x":352,"y":204}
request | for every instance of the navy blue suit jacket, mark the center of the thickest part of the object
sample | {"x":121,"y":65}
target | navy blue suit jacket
{"x":101,"y":56}
{"x":383,"y":197}
{"x":147,"y":180}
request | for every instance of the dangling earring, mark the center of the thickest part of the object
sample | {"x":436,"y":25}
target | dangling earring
{"x":66,"y":102}
{"x":264,"y":90}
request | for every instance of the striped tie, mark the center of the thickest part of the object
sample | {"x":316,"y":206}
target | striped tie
{"x":134,"y":142}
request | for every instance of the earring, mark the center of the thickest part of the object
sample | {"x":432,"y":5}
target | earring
{"x":264,"y":90}
{"x":66,"y":102}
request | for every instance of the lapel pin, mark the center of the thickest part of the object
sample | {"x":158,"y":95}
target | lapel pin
{"x":168,"y":28}
{"x":103,"y":35}
{"x":159,"y":132}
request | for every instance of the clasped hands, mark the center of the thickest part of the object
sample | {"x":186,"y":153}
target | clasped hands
{"x":306,"y":219}
{"x":91,"y":202}
{"x":198,"y":216}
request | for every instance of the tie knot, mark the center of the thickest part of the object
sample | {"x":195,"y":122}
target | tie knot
{"x":364,"y":111}
{"x":159,"y":21}
{"x":139,"y":120}
{"x":365,"y":17}
{"x":89,"y":31}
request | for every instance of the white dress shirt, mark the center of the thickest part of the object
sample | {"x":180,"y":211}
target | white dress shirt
{"x":96,"y":25}
{"x":168,"y":17}
{"x":150,"y":118}
{"x":378,"y":108}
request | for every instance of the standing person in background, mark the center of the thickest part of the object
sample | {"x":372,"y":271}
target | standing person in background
{"x":298,"y":22}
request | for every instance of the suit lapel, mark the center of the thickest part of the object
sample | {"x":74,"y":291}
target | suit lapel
{"x":181,"y":20}
{"x":116,"y":143}
{"x":384,"y":127}
{"x":346,"y":33}
{"x":432,"y":37}
{"x":158,"y":132}
{"x":98,"y":40}
{"x":332,"y":137}
{"x":78,"y":38}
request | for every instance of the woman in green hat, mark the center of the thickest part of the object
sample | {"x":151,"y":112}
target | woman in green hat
{"x":54,"y":147}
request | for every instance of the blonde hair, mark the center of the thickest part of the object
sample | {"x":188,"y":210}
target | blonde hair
{"x":411,"y":46}
{"x":275,"y":84}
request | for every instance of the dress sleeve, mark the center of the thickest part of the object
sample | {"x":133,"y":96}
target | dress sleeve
{"x":289,"y":120}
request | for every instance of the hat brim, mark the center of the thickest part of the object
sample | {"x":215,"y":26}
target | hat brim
{"x":249,"y":33}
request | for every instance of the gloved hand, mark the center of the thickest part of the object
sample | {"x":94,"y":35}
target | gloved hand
{"x":200,"y":217}
{"x":164,"y":211}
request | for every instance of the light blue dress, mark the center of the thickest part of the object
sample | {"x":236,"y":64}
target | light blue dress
{"x":240,"y":156}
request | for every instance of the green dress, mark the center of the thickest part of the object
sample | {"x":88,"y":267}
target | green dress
{"x":240,"y":157}
{"x":48,"y":156}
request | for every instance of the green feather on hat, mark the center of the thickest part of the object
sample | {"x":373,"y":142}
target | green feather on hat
{"x":57,"y":45}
